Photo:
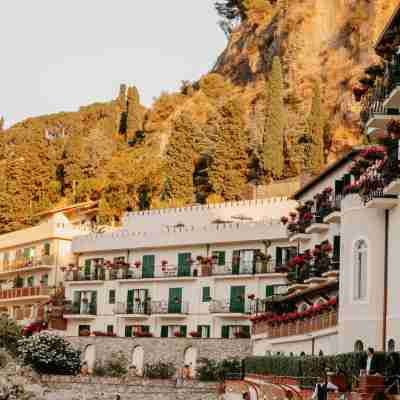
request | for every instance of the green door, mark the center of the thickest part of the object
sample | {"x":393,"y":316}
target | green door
{"x":183,"y":264}
{"x":269,"y":291}
{"x":175,"y":301}
{"x":148,"y":266}
{"x":237,"y":299}
{"x":129,"y":302}
{"x":235,"y":262}
{"x":93,"y":304}
{"x":183,"y":330}
{"x":225,"y":332}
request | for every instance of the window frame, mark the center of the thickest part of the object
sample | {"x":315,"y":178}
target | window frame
{"x":358,"y":270}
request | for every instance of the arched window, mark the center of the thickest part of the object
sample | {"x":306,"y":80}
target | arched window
{"x":360,"y":270}
{"x":302,"y":354}
{"x":358,"y":346}
{"x":391,"y":346}
{"x":321,"y":353}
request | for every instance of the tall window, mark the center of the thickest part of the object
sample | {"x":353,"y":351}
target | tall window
{"x":358,"y":346}
{"x":360,"y":270}
{"x":391,"y":345}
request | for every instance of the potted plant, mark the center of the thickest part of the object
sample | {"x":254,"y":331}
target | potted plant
{"x":251,"y":296}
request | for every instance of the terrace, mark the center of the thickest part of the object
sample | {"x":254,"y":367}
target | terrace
{"x":26,"y":265}
{"x":314,"y":319}
{"x":24,"y":293}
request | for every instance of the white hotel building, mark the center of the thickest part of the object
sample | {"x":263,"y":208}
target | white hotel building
{"x":189,"y":271}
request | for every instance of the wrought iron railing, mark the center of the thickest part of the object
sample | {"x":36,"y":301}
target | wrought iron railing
{"x":174,"y":306}
{"x":233,"y":306}
{"x":137,"y":307}
{"x":82,"y":308}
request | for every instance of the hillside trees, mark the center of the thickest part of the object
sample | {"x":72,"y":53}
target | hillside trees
{"x":275,"y":123}
{"x":133,"y":120}
{"x":228,"y":170}
{"x":179,"y":159}
{"x":316,"y":131}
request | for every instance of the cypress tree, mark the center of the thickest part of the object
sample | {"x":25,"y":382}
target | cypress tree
{"x":179,"y":160}
{"x":228,"y":170}
{"x":316,"y":131}
{"x":134,"y":121}
{"x":273,"y":146}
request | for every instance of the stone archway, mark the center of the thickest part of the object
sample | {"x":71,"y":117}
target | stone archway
{"x":191,"y":360}
{"x":90,"y":356}
{"x":138,"y":359}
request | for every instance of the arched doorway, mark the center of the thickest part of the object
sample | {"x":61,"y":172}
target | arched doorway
{"x":138,"y":359}
{"x":90,"y":356}
{"x":191,"y":360}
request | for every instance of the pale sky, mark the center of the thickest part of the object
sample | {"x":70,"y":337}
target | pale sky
{"x":57,"y":55}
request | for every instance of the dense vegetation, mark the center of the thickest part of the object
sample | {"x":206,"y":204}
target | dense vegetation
{"x":206,"y":143}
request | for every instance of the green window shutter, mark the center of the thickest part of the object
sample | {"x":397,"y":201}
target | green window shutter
{"x":269,"y":291}
{"x":129,"y":298}
{"x":76,"y":305}
{"x":336,"y":248}
{"x":175,"y":301}
{"x":164,"y":331}
{"x":207,"y":329}
{"x":148,"y":266}
{"x":347,"y":180}
{"x":219,"y":256}
{"x":87,"y":267}
{"x":278,"y":255}
{"x":235,"y":262}
{"x":225,"y":332}
{"x":206,"y":294}
{"x":128,"y":331}
{"x":111,"y":296}
{"x":183,"y":330}
{"x":110,"y":328}
{"x":145,"y":329}
{"x":45,"y":280}
{"x":183,"y":264}
{"x":237,"y":301}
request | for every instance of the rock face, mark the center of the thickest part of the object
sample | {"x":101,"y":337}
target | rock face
{"x":326,"y":40}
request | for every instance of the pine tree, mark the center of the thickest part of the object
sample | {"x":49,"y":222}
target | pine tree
{"x":179,"y":160}
{"x":134,"y":120}
{"x":273,"y":146}
{"x":228,"y":170}
{"x":316,"y":131}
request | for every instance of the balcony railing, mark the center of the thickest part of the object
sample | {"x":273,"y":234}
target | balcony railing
{"x":171,"y":271}
{"x":24,"y":292}
{"x":170,"y":307}
{"x":83,"y":308}
{"x":233,"y":306}
{"x":137,"y":307}
{"x":299,"y":327}
{"x":24,"y":263}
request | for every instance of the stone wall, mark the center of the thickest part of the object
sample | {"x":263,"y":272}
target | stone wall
{"x":91,"y":388}
{"x":165,"y":349}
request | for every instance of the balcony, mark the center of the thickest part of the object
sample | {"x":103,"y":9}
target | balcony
{"x":232,"y":308}
{"x":26,"y":265}
{"x":240,"y":268}
{"x":83,"y":310}
{"x":136,"y":310}
{"x":299,"y":327}
{"x":24,"y":293}
{"x":170,"y":309}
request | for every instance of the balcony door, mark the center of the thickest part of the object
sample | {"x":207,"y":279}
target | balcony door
{"x":243,"y":262}
{"x":184,"y":264}
{"x":148,"y":266}
{"x":175,"y":301}
{"x":136,"y":301}
{"x":237,"y":300}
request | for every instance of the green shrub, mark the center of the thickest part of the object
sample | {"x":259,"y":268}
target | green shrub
{"x":310,"y":367}
{"x":10,"y":333}
{"x":114,"y":367}
{"x":159,"y":370}
{"x":213,"y":371}
{"x":49,"y":354}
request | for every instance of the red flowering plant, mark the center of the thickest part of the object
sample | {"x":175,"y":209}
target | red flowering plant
{"x":137,"y":264}
{"x":251,"y":296}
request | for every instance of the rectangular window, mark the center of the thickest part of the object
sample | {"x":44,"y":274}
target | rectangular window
{"x":45,"y":280}
{"x":136,"y":330}
{"x":30,"y":281}
{"x":164,"y":331}
{"x":205,"y":297}
{"x":204,"y":331}
{"x":110,"y":329}
{"x":111,"y":296}
{"x":46,"y":249}
{"x":119,"y":259}
{"x":219,"y":257}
